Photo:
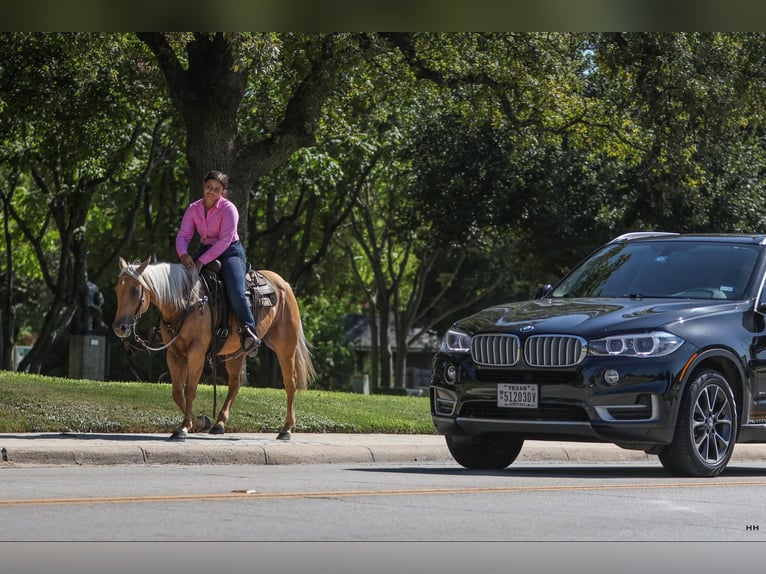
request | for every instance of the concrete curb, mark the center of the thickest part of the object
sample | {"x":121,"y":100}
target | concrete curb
{"x":264,"y":449}
{"x":115,"y":449}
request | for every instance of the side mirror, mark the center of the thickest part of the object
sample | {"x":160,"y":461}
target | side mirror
{"x":543,"y":291}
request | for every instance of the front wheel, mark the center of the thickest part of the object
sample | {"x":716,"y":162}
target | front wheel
{"x":486,"y":451}
{"x":706,"y":431}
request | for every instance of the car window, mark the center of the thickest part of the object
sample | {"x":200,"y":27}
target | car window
{"x":703,"y":270}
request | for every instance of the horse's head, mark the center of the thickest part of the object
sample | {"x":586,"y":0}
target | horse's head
{"x":132,"y":298}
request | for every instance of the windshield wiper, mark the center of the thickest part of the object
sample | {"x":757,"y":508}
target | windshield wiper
{"x":640,"y":295}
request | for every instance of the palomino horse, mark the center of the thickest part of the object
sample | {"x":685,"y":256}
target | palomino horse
{"x":187,"y":332}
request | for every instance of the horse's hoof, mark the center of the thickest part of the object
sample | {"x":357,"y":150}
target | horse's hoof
{"x":205,"y":422}
{"x":284,"y":435}
{"x":218,"y":428}
{"x":179,"y":435}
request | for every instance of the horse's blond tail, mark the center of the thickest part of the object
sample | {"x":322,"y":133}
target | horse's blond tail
{"x":304,"y":366}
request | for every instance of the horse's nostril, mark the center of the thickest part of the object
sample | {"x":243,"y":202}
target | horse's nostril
{"x":121,"y":329}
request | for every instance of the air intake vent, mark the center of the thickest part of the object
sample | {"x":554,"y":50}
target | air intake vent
{"x":495,"y":350}
{"x":554,"y":350}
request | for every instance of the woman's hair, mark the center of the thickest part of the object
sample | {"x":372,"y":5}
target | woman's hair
{"x":220,"y":177}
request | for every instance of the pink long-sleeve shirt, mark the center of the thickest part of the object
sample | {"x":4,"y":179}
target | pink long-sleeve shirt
{"x":217,"y":228}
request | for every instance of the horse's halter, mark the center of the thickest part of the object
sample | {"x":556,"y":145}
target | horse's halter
{"x":141,"y":301}
{"x":129,"y":322}
{"x":140,"y":343}
{"x":137,"y":314}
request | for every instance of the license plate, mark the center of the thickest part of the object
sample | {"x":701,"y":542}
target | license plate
{"x":517,"y":396}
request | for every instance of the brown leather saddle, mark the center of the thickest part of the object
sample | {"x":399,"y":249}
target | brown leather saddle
{"x":258,"y":290}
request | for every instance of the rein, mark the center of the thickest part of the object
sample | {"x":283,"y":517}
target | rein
{"x":213,"y":362}
{"x":140,"y":343}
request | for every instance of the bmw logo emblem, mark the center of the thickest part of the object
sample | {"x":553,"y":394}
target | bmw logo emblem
{"x":527,"y":328}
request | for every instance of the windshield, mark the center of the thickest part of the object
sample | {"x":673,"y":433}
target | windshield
{"x":681,"y":269}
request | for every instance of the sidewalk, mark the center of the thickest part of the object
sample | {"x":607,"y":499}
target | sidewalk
{"x":247,"y":448}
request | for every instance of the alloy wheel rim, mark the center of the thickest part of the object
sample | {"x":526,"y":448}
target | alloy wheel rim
{"x":712,"y":424}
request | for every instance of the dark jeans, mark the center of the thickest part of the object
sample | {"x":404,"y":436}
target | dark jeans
{"x":233,"y":276}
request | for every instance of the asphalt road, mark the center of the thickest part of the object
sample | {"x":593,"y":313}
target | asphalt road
{"x":544,"y":501}
{"x":394,"y":503}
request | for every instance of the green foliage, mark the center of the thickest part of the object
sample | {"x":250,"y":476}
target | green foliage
{"x":80,"y":118}
{"x":426,"y":169}
{"x":685,"y":107}
{"x":324,"y":323}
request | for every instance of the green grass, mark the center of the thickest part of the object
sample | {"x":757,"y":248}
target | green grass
{"x":34,"y":403}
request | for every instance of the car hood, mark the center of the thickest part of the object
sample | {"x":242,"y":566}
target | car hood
{"x":590,"y":317}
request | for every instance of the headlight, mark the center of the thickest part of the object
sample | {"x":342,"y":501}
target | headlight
{"x":657,"y":344}
{"x":456,"y":341}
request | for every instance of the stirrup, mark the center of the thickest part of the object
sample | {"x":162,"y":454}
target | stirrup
{"x":250,"y":342}
{"x":253,"y":349}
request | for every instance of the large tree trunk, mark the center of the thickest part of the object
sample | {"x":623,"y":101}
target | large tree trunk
{"x":209,"y":92}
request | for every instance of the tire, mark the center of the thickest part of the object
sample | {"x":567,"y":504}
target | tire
{"x":487,"y":451}
{"x":706,"y":430}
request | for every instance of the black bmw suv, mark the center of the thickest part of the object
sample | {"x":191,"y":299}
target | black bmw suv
{"x":656,"y":342}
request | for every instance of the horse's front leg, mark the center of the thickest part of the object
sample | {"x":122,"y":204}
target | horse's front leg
{"x":178,"y":376}
{"x":234,"y":372}
{"x":184,"y":393}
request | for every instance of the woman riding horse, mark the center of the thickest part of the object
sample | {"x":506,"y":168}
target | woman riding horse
{"x":214,"y":218}
{"x":186,"y":326}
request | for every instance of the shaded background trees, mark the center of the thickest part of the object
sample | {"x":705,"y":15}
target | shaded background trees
{"x":413,"y":177}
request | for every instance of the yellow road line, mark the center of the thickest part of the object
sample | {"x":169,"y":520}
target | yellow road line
{"x":252,"y":495}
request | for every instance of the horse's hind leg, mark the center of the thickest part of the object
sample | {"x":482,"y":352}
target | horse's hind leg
{"x":289,"y":381}
{"x":234,"y":372}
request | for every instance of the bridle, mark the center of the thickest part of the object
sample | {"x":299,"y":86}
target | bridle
{"x":140,"y":343}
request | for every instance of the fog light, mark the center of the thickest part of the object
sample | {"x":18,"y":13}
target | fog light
{"x":450,"y":374}
{"x":611,"y":376}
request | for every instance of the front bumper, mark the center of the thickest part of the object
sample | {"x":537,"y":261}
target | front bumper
{"x":574,"y":404}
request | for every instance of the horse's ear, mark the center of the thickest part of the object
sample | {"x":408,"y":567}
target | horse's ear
{"x":143,"y":265}
{"x":123,"y":264}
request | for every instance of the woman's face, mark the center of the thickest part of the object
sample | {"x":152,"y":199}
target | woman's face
{"x":211,"y":191}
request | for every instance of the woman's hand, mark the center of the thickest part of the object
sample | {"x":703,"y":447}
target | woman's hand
{"x":187,"y":260}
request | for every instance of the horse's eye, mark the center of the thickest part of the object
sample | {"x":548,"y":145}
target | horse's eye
{"x":134,"y":291}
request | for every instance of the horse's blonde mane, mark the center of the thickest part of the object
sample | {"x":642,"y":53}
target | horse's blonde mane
{"x":172,"y":283}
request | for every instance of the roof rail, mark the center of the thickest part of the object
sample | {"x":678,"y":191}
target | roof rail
{"x":639,"y":234}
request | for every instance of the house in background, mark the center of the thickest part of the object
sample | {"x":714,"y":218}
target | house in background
{"x":419,"y":355}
